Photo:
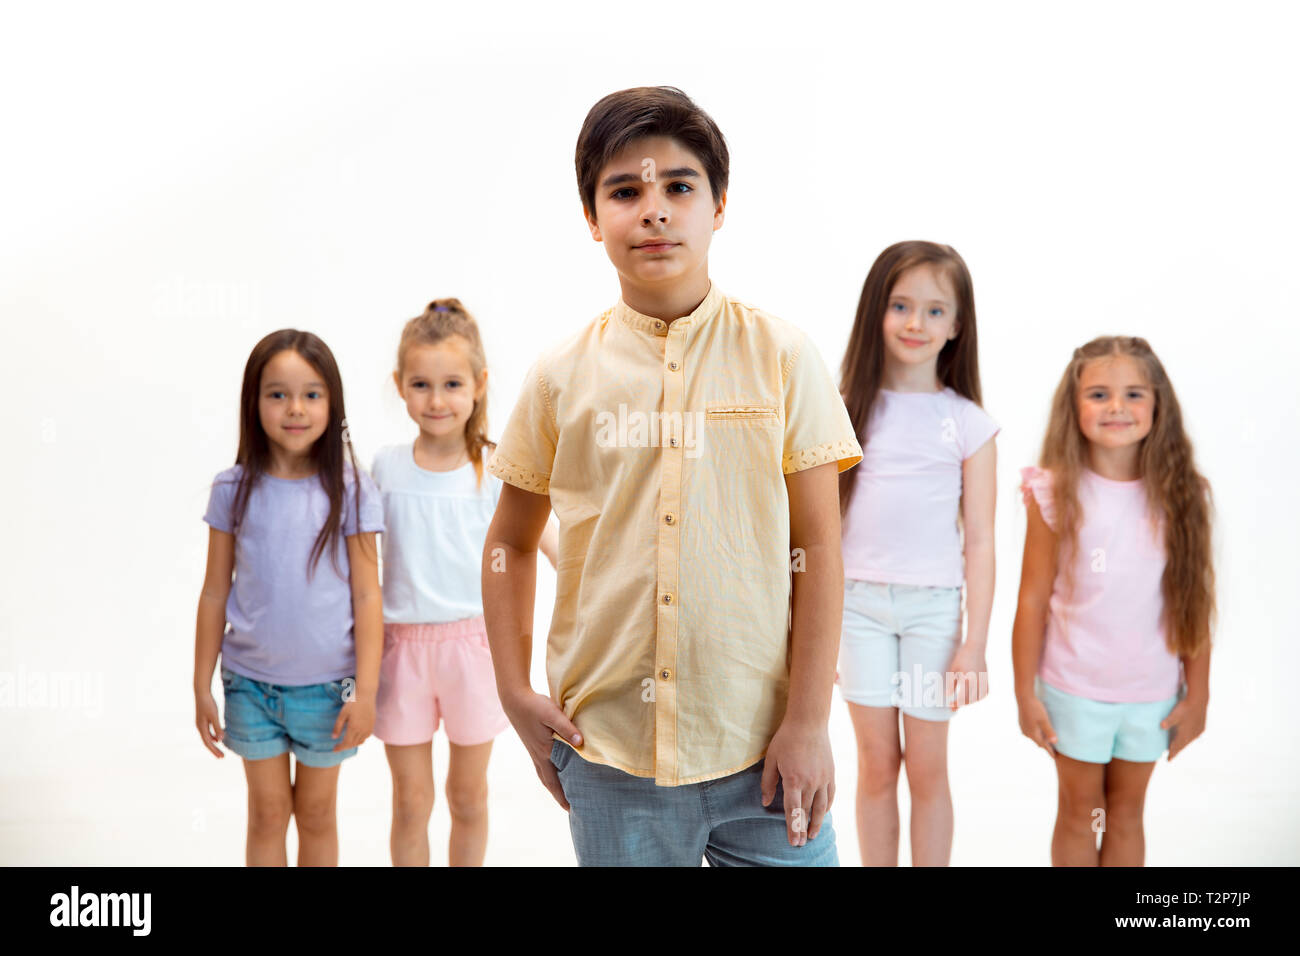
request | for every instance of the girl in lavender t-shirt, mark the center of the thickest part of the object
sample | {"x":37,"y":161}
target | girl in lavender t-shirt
{"x":295,"y":521}
{"x":1112,"y":635}
{"x":917,"y":526}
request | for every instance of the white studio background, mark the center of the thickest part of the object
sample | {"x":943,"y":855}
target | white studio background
{"x":177,"y":181}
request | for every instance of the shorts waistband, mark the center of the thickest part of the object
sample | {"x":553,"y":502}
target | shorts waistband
{"x":437,"y":631}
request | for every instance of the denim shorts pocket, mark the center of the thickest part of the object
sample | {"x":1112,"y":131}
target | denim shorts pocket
{"x":335,"y":689}
{"x":228,"y":678}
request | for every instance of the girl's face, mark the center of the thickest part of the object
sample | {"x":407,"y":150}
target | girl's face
{"x":292,"y":403}
{"x":1116,"y":404}
{"x":438,"y":386}
{"x":920,"y":317}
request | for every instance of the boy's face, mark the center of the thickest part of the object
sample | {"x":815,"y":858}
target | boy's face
{"x":655,"y":212}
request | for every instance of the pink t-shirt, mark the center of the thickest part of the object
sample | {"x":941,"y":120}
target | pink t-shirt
{"x":901,"y":527}
{"x":1108,"y":642}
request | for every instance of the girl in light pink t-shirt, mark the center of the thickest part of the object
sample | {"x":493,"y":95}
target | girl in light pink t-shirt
{"x":1112,"y":635}
{"x":917,"y":525}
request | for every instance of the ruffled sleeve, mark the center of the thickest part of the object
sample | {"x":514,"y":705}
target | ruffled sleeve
{"x":1036,"y":483}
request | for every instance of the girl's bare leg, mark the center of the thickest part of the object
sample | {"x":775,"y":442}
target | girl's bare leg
{"x":270,"y":804}
{"x":880,"y":755}
{"x":1081,"y":790}
{"x":467,"y":799}
{"x":926,"y":754}
{"x":412,"y":767}
{"x":314,"y":793}
{"x":1123,"y":843}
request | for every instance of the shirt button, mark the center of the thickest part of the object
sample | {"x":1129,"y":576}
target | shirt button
{"x":659,"y":326}
{"x":668,"y":599}
{"x":672,"y":366}
{"x":665,"y":673}
{"x":668,"y":519}
{"x":673,"y":442}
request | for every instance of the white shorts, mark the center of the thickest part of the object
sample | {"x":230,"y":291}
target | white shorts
{"x":897,"y":644}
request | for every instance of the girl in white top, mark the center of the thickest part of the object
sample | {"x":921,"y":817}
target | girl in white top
{"x":917,"y":524}
{"x":438,"y":503}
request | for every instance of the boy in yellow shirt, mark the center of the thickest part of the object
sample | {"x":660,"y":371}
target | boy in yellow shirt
{"x":689,"y":444}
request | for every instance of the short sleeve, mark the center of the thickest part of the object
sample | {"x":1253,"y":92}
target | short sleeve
{"x":526,"y":451}
{"x":372,"y":509}
{"x":817,"y":425}
{"x":1036,"y":483}
{"x":220,"y":500}
{"x":977,"y":428}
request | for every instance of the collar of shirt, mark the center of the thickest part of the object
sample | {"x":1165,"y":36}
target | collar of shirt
{"x":709,"y":307}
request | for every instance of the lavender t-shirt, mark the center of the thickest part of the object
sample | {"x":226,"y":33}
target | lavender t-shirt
{"x":284,"y":629}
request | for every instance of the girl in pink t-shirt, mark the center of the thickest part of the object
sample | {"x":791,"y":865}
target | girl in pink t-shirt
{"x":1112,"y":634}
{"x":917,"y":525}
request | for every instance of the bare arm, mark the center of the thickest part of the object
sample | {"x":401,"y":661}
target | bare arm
{"x":509,"y":591}
{"x":1187,"y":720}
{"x":510,"y":585}
{"x":1037,"y":576}
{"x":358,"y":713}
{"x":799,"y":752}
{"x":367,"y":610}
{"x":967,"y":679}
{"x":210,"y":627}
{"x":979,"y":502}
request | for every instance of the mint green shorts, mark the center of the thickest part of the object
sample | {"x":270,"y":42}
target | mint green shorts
{"x":1096,"y":731}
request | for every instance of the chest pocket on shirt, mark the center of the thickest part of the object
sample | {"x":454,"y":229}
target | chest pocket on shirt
{"x":740,"y":413}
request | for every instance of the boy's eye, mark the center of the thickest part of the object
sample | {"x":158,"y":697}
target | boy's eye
{"x":686,"y":186}
{"x":619,"y":193}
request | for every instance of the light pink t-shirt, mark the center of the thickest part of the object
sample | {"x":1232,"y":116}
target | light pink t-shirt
{"x":901,"y":527}
{"x":1108,"y":642}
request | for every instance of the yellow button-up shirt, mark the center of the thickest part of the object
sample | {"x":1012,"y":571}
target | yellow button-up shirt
{"x":664,"y":449}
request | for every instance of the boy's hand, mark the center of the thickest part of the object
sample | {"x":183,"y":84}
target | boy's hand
{"x":801,"y":758}
{"x":534,"y":716}
{"x":1035,"y":725}
{"x":208,"y":720}
{"x":969,"y":666}
{"x":1186,"y":722}
{"x":358,"y":714}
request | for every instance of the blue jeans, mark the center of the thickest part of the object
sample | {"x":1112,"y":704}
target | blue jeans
{"x":618,"y":819}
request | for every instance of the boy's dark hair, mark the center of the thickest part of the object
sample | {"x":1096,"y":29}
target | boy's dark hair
{"x":628,"y":115}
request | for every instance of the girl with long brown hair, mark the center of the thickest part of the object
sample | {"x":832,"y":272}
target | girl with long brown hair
{"x":1112,"y":634}
{"x":300,"y":660}
{"x":437,"y":669}
{"x":918,"y":525}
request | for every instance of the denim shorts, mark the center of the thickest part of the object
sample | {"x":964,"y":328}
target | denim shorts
{"x":265,"y":720}
{"x":1096,"y":731}
{"x":618,"y":819}
{"x":897,"y":643}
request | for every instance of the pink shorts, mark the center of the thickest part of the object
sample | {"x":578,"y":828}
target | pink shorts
{"x":438,"y":671}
